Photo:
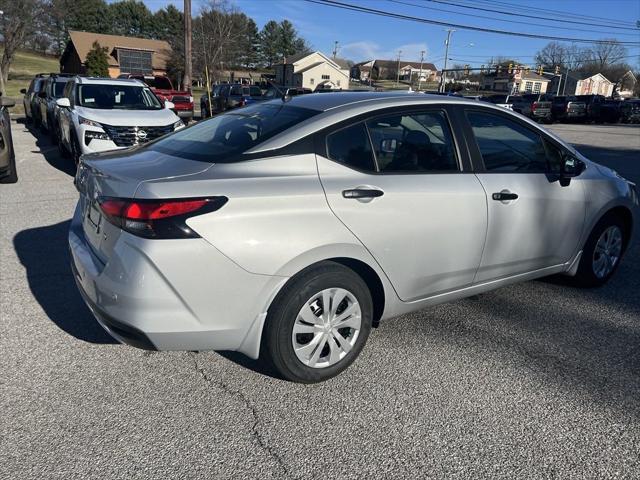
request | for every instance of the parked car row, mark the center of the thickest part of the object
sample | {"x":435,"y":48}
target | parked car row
{"x":568,"y":108}
{"x":87,"y":115}
{"x":228,"y":96}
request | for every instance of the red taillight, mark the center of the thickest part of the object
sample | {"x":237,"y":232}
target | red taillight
{"x":157,"y":218}
{"x":534,"y":105}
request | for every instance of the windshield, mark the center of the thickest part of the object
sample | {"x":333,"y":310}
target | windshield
{"x":121,"y":97}
{"x":58,"y":88}
{"x":220,"y":138}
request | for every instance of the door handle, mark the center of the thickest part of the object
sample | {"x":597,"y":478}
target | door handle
{"x":504,"y":196}
{"x":362,"y":193}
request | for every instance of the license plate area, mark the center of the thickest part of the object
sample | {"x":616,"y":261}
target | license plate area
{"x":92,"y":224}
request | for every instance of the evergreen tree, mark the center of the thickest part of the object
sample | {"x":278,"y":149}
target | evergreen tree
{"x":97,"y":62}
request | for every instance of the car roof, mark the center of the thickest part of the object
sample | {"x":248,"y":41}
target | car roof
{"x":108,"y":81}
{"x":329,"y":101}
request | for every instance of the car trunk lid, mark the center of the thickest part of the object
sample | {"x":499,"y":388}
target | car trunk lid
{"x":118,"y":175}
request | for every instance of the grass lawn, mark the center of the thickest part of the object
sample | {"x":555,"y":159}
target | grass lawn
{"x":25,"y":65}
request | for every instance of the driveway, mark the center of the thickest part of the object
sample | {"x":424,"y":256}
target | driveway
{"x":529,"y":381}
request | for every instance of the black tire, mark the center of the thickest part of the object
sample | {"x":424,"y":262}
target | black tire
{"x":277,"y":344}
{"x":586,"y":276}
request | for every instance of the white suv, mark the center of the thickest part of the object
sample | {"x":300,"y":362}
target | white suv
{"x":100,"y":114}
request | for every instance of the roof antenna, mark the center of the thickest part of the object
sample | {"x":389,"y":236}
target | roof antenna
{"x":283,"y":93}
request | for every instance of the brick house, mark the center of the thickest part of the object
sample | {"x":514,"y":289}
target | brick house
{"x":126,"y":54}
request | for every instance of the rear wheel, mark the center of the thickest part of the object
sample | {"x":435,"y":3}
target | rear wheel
{"x":602,"y":253}
{"x":318,"y":324}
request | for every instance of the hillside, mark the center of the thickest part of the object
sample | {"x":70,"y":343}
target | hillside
{"x":24,"y":67}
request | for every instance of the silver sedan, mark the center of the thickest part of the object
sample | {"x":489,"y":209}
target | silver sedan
{"x":288,"y":229}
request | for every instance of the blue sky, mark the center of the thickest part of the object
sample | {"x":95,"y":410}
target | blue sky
{"x":362,"y":36}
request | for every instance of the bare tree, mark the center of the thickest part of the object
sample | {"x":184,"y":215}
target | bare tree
{"x":607,"y":53}
{"x":16,"y":24}
{"x":219,"y":36}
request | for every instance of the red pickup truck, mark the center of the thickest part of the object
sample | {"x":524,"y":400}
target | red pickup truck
{"x":163,"y":89}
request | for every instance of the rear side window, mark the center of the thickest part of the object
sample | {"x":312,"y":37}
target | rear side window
{"x":221,"y":138}
{"x":351,"y":147}
{"x":236,"y":90}
{"x":413,"y":142}
{"x":506,"y":146}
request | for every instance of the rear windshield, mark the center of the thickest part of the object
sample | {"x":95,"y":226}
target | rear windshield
{"x":221,"y":138}
{"x":584,"y":98}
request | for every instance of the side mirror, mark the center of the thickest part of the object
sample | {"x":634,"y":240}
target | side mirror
{"x":169,"y":105}
{"x":571,"y":167}
{"x":23,"y":91}
{"x":63,"y":102}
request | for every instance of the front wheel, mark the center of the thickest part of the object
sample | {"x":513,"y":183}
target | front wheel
{"x":602,"y":253}
{"x":318,"y":324}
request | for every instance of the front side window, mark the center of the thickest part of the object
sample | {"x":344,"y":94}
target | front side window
{"x":506,"y":146}
{"x":221,"y":138}
{"x":121,"y":97}
{"x":413,"y":142}
{"x":351,"y":147}
{"x":236,"y":90}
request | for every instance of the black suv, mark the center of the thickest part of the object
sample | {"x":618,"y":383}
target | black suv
{"x":48,"y":109}
{"x":593,"y":106}
{"x":630,"y":111}
{"x":228,"y":96}
{"x":567,"y":108}
{"x":30,"y":98}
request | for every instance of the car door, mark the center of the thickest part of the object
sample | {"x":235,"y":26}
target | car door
{"x":535,"y":221}
{"x":399,"y":182}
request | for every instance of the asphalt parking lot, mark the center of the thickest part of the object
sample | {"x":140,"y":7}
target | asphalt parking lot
{"x":537,"y":380}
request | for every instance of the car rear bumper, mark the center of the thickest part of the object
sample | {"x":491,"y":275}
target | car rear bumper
{"x":171,"y":294}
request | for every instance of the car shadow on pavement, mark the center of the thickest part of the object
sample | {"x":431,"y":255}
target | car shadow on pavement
{"x":44,"y":253}
{"x":48,"y":148}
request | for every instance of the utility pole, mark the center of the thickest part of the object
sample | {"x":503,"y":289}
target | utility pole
{"x":186,"y":80}
{"x":446,"y":58}
{"x":420,"y":74}
{"x":335,"y":49}
{"x":398,"y":69}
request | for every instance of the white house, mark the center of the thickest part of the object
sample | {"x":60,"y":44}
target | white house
{"x":312,"y":70}
{"x":596,"y":84}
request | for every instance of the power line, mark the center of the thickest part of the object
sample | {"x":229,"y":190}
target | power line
{"x":537,"y":17}
{"x":383,"y":13}
{"x":504,"y":19}
{"x":570,"y":15}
